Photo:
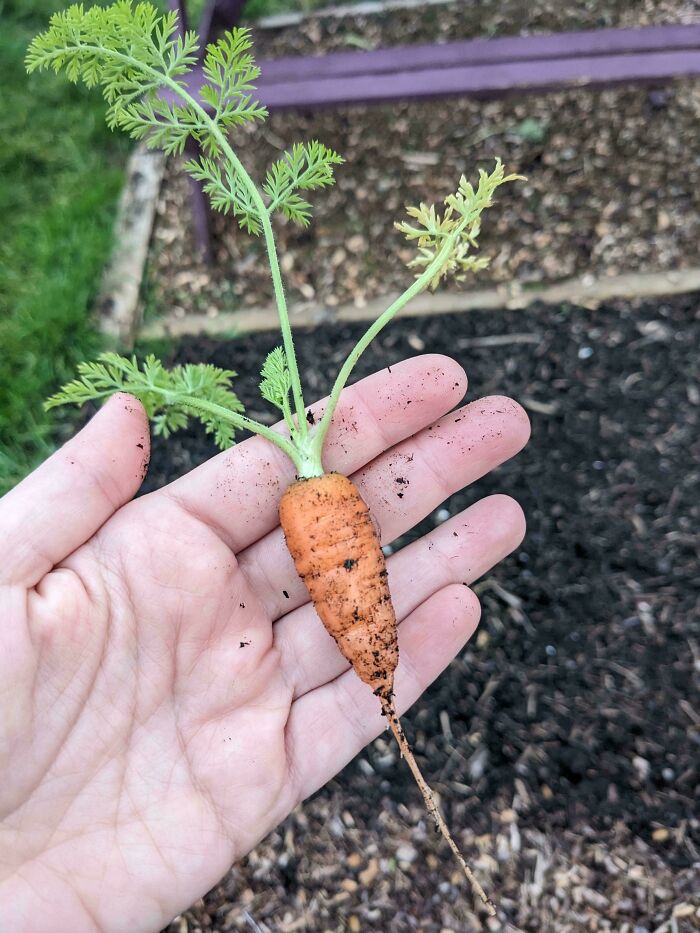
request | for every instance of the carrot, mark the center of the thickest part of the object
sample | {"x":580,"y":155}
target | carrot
{"x":337,"y":553}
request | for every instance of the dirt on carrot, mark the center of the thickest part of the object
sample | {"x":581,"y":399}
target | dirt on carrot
{"x":331,"y":537}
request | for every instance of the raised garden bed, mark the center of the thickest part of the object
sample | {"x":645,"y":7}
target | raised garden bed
{"x":613,"y":188}
{"x":570,"y":752}
{"x":613,"y":183}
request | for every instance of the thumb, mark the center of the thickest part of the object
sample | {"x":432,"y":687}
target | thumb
{"x":64,"y":501}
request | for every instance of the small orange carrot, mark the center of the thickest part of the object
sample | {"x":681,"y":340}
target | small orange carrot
{"x":337,"y":553}
{"x":332,"y":540}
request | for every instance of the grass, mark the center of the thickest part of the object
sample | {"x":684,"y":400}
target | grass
{"x":60,"y":174}
{"x":256,"y":8}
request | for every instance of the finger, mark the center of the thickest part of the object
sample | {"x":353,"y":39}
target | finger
{"x":459,"y":551}
{"x":404,"y":485}
{"x":237,"y":493}
{"x":330,"y":725}
{"x":63,"y":502}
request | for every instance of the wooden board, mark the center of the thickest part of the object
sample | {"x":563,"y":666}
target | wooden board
{"x":480,"y":81}
{"x":484,"y":52}
{"x":480,"y":67}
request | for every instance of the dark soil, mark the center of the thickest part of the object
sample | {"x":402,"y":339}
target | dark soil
{"x":566,"y":737}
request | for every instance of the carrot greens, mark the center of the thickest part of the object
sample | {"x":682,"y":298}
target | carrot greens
{"x":135,"y":54}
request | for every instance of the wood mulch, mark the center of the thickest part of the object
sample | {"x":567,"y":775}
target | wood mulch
{"x":613,"y":176}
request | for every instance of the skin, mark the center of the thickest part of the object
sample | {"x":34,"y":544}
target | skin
{"x":163,"y":703}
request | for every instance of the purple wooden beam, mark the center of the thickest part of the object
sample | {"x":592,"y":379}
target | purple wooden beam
{"x":182,"y":19}
{"x":199,"y":202}
{"x":481,"y":81}
{"x":483,"y":52}
{"x":480,"y":67}
{"x":219,"y":14}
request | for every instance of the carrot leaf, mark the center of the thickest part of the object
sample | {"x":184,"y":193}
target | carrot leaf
{"x":230,"y":70}
{"x":170,"y":396}
{"x":135,"y":55}
{"x":304,"y":167}
{"x":460,"y":223}
{"x":276,"y":381}
{"x":226,"y":191}
{"x":129,"y":51}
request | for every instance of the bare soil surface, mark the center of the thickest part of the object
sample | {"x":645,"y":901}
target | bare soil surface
{"x":613,"y":176}
{"x":565,"y":739}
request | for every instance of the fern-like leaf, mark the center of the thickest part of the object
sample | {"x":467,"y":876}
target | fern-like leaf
{"x":460,"y":223}
{"x":231,"y":72}
{"x":170,"y":396}
{"x":276,"y":380}
{"x":133,"y":53}
{"x":130,"y":51}
{"x":226,"y":191}
{"x":305,"y":167}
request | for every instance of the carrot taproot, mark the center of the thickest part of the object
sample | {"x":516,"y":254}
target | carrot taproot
{"x":337,"y":553}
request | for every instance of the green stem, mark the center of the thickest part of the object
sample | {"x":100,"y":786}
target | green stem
{"x":244,"y":423}
{"x":420,"y":284}
{"x":287,"y":412}
{"x":285,"y":326}
{"x":278,"y":287}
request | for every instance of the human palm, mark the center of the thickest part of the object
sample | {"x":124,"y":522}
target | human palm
{"x":167,"y":692}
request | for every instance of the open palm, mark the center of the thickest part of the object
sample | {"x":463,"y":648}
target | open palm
{"x":167,"y":693}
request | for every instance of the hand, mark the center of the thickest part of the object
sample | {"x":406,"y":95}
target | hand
{"x":167,"y":694}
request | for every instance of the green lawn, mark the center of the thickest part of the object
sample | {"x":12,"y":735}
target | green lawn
{"x":268,"y":7}
{"x":60,"y":175}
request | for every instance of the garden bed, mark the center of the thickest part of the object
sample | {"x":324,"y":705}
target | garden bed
{"x":612,"y":184}
{"x":564,"y":738}
{"x":447,"y":21}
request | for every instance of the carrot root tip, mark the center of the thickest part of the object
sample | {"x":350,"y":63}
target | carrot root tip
{"x":431,"y":804}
